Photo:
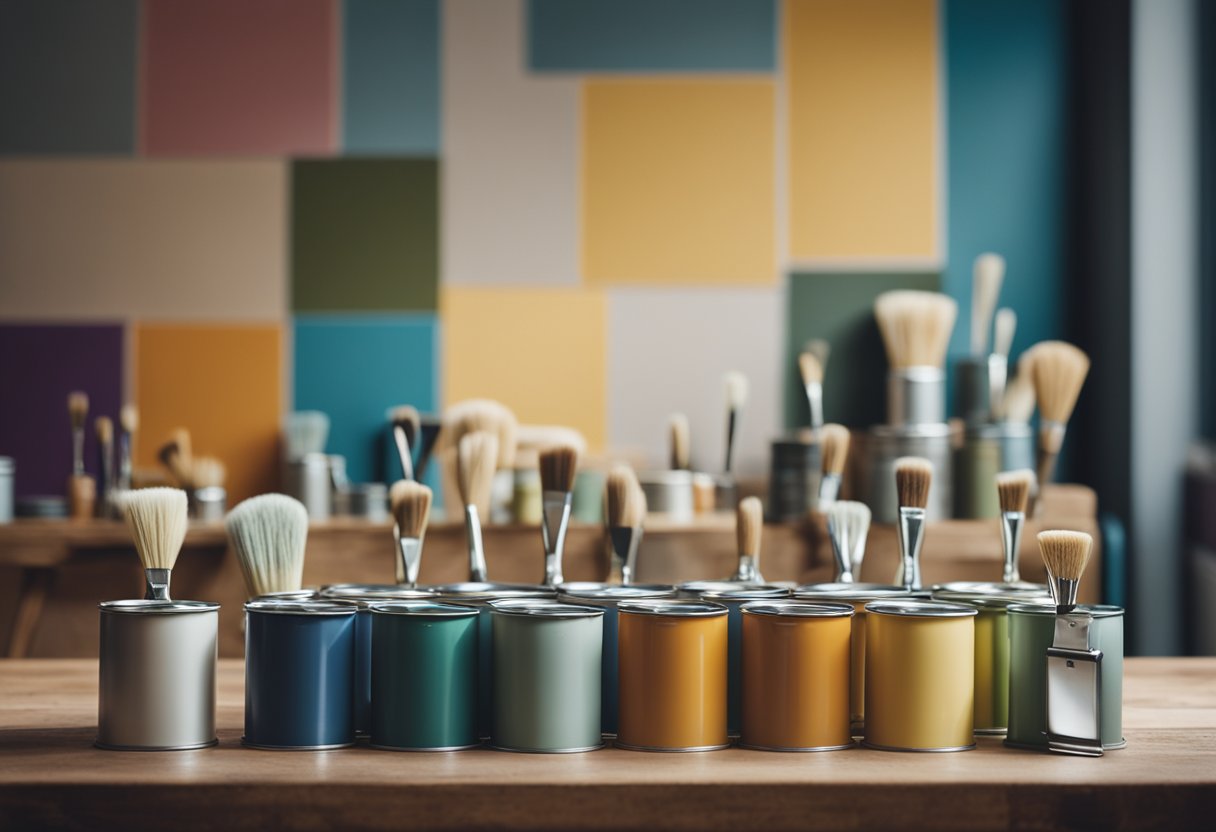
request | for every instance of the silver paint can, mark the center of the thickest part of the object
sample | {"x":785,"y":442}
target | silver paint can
{"x":886,"y":444}
{"x":365,"y":500}
{"x":916,"y":396}
{"x":307,"y":479}
{"x":208,"y":504}
{"x":668,"y":493}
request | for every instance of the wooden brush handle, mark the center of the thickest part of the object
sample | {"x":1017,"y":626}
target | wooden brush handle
{"x":82,"y":496}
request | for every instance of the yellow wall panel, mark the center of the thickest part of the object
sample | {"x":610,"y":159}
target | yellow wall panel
{"x":224,"y":383}
{"x":539,"y":351}
{"x":678,"y":181}
{"x":862,"y":115}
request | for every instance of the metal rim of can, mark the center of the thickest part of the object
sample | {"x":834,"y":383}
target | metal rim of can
{"x":942,"y":750}
{"x":522,"y":750}
{"x":317,"y":607}
{"x":142,"y":606}
{"x":797,"y":609}
{"x":1048,"y":608}
{"x":674,"y":607}
{"x":423,"y":609}
{"x":366,"y":594}
{"x":988,"y":596}
{"x":288,"y":595}
{"x":105,"y":746}
{"x":920,"y":609}
{"x":490,"y":591}
{"x":542,"y":608}
{"x":663,"y":749}
{"x":783,"y":748}
{"x":259,"y":746}
{"x":746,"y":594}
{"x":589,"y":593}
{"x":701,"y":587}
{"x":853,"y":592}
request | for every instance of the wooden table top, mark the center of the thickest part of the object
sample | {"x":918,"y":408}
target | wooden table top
{"x":50,"y":776}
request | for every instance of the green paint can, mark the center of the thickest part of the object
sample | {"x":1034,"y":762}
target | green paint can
{"x":424,"y":676}
{"x":547,"y":659}
{"x":1031,"y":631}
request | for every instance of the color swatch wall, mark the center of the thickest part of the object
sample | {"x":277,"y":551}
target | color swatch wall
{"x":589,"y":209}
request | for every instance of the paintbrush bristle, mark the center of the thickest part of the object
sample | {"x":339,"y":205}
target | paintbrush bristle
{"x":986,"y":276}
{"x":104,"y":426}
{"x":156,"y":518}
{"x":679,"y":438}
{"x":735,"y":383}
{"x":1065,"y":553}
{"x":269,"y":534}
{"x":850,"y":520}
{"x":1017,"y":405}
{"x":749,"y":524}
{"x":406,"y":417}
{"x":78,"y":408}
{"x":834,"y":443}
{"x":1006,"y":327}
{"x":915,"y":326}
{"x":208,"y":472}
{"x":484,"y":415}
{"x":1058,"y":370}
{"x":558,"y":467}
{"x":411,"y":502}
{"x":913,"y":477}
{"x":810,"y":368}
{"x":476,"y":461}
{"x":626,"y":504}
{"x":306,"y":432}
{"x":1013,"y":489}
{"x":128,"y":417}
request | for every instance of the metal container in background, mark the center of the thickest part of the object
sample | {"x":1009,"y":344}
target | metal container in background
{"x":156,"y":677}
{"x":972,"y":390}
{"x":209,"y":504}
{"x":424,"y":676}
{"x":1017,"y":443}
{"x":307,"y":479}
{"x":547,"y":658}
{"x":299,"y":674}
{"x":526,"y":497}
{"x":1031,"y":632}
{"x":920,"y":668}
{"x":796,"y":676}
{"x":916,"y":396}
{"x":364,"y":500}
{"x":886,"y":444}
{"x":726,"y":493}
{"x":46,"y":506}
{"x":668,"y":493}
{"x":733,"y":599}
{"x":363,"y":596}
{"x":607,"y":597}
{"x":8,"y":471}
{"x":672,"y":675}
{"x":587,"y":504}
{"x":976,"y":465}
{"x":794,"y":475}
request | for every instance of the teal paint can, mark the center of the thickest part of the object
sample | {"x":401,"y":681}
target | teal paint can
{"x":424,"y":676}
{"x":607,"y":597}
{"x":1031,"y":631}
{"x":547,"y":658}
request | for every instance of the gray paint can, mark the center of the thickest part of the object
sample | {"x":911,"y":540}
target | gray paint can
{"x":886,"y":444}
{"x":307,"y":479}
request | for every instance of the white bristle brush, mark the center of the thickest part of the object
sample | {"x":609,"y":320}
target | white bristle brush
{"x":156,"y":518}
{"x":987,"y":273}
{"x":476,"y":460}
{"x":848,"y":528}
{"x":411,"y":504}
{"x":269,"y":533}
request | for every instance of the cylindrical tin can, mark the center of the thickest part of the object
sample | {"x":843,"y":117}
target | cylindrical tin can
{"x":156,"y":677}
{"x":672,"y":675}
{"x":307,"y":479}
{"x":976,"y":465}
{"x":365,"y":500}
{"x":8,"y":470}
{"x":916,"y":396}
{"x":607,"y":597}
{"x":363,"y":596}
{"x":726,"y":493}
{"x":547,"y":658}
{"x":972,"y":390}
{"x":934,"y":442}
{"x":991,"y":643}
{"x":479,"y":594}
{"x":857,"y":595}
{"x":796,"y":676}
{"x":208,"y":504}
{"x":299,"y":674}
{"x":424,"y":676}
{"x":733,"y":600}
{"x":1015,"y":440}
{"x":1031,"y":632}
{"x":668,"y":493}
{"x":920,"y":668}
{"x":794,"y":475}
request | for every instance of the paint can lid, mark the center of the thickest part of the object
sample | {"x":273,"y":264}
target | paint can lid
{"x":588,"y":592}
{"x":700,"y":588}
{"x":854,"y":592}
{"x":745,"y":593}
{"x":365,"y":594}
{"x":921,"y":609}
{"x":320,"y":607}
{"x":990,"y":595}
{"x":305,"y":594}
{"x":428,"y":609}
{"x":543,"y":608}
{"x":674,"y":607}
{"x":489,"y":591}
{"x":1048,"y":609}
{"x":140,"y":606}
{"x":798,"y":609}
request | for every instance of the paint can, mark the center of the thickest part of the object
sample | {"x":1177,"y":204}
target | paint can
{"x":916,"y":396}
{"x":976,"y":465}
{"x":8,"y":471}
{"x":920,"y":669}
{"x":607,"y":597}
{"x":857,"y":595}
{"x":796,"y":676}
{"x":208,"y":504}
{"x":156,"y":675}
{"x":695,"y":589}
{"x":668,"y":493}
{"x":973,"y":383}
{"x":365,"y":500}
{"x":307,"y":479}
{"x":305,"y":594}
{"x":672,"y":675}
{"x":547,"y":658}
{"x":733,"y":600}
{"x":587,"y":502}
{"x":424,"y":676}
{"x":934,"y":442}
{"x":299,"y":674}
{"x":363,"y":596}
{"x":794,"y":475}
{"x":991,"y":643}
{"x":479,"y":594}
{"x":1015,"y":442}
{"x":1031,"y":632}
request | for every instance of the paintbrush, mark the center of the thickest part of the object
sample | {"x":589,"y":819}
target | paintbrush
{"x":679,"y":433}
{"x":475,"y":463}
{"x":177,"y":456}
{"x":128,"y":418}
{"x":558,"y":467}
{"x":268,"y":534}
{"x":491,"y":417}
{"x":104,"y":428}
{"x":1058,"y":370}
{"x":811,"y":370}
{"x":207,"y":472}
{"x":848,"y":527}
{"x":78,"y":412}
{"x":626,"y":510}
{"x":157,"y":520}
{"x":411,"y":502}
{"x":306,"y":432}
{"x":913,"y":477}
{"x":749,"y":524}
{"x":834,"y":445}
{"x":998,"y":362}
{"x":1013,"y":490}
{"x":1074,"y":667}
{"x":987,"y":274}
{"x":406,"y":426}
{"x":915,"y":327}
{"x":1017,"y":404}
{"x":736,"y":398}
{"x":821,"y":349}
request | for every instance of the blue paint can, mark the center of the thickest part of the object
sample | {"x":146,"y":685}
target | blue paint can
{"x":299,"y":674}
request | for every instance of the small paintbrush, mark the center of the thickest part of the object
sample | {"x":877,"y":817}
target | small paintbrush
{"x":749,"y":524}
{"x":558,"y":468}
{"x":626,"y":511}
{"x":1013,"y":490}
{"x":476,"y":458}
{"x":811,"y":370}
{"x":848,"y":528}
{"x":834,"y":445}
{"x":177,"y":455}
{"x":678,"y":430}
{"x":411,"y":503}
{"x":998,"y":362}
{"x":104,"y":427}
{"x":913,"y":477}
{"x":736,"y":399}
{"x":1058,"y":370}
{"x":156,"y":518}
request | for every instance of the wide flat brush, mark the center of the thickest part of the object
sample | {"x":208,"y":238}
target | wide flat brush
{"x":626,"y":511}
{"x":269,"y":534}
{"x":156,"y":518}
{"x":558,"y":467}
{"x":749,"y":525}
{"x":411,"y":503}
{"x":913,"y":478}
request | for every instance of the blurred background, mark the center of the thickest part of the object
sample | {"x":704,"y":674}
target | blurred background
{"x":590,"y":210}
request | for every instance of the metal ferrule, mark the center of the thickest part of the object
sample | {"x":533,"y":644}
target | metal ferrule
{"x":157,"y":584}
{"x":841,"y":548}
{"x":748,"y":570}
{"x":411,"y":559}
{"x":814,"y":398}
{"x":1011,"y":541}
{"x":998,"y":373}
{"x":555,"y":519}
{"x":1074,"y":685}
{"x":911,"y":529}
{"x":1063,"y":592}
{"x":625,"y":540}
{"x":916,"y":396}
{"x":477,"y":552}
{"x":829,"y":490}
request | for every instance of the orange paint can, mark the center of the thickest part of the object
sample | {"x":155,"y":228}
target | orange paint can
{"x":672,"y":672}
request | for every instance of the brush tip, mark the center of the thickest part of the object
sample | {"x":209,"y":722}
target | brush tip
{"x":411,"y":505}
{"x":1065,"y":553}
{"x":1013,"y":489}
{"x":269,"y":534}
{"x":834,"y":444}
{"x":913,"y":478}
{"x":626,"y":503}
{"x":1058,"y":370}
{"x":558,"y":468}
{"x":156,"y":518}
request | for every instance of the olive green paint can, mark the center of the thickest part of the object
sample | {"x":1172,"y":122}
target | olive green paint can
{"x":547,"y":664}
{"x":424,"y":676}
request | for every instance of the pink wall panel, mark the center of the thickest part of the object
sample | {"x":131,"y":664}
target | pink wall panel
{"x":239,"y":77}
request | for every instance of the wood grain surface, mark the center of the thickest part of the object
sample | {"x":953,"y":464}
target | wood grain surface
{"x":51,"y":777}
